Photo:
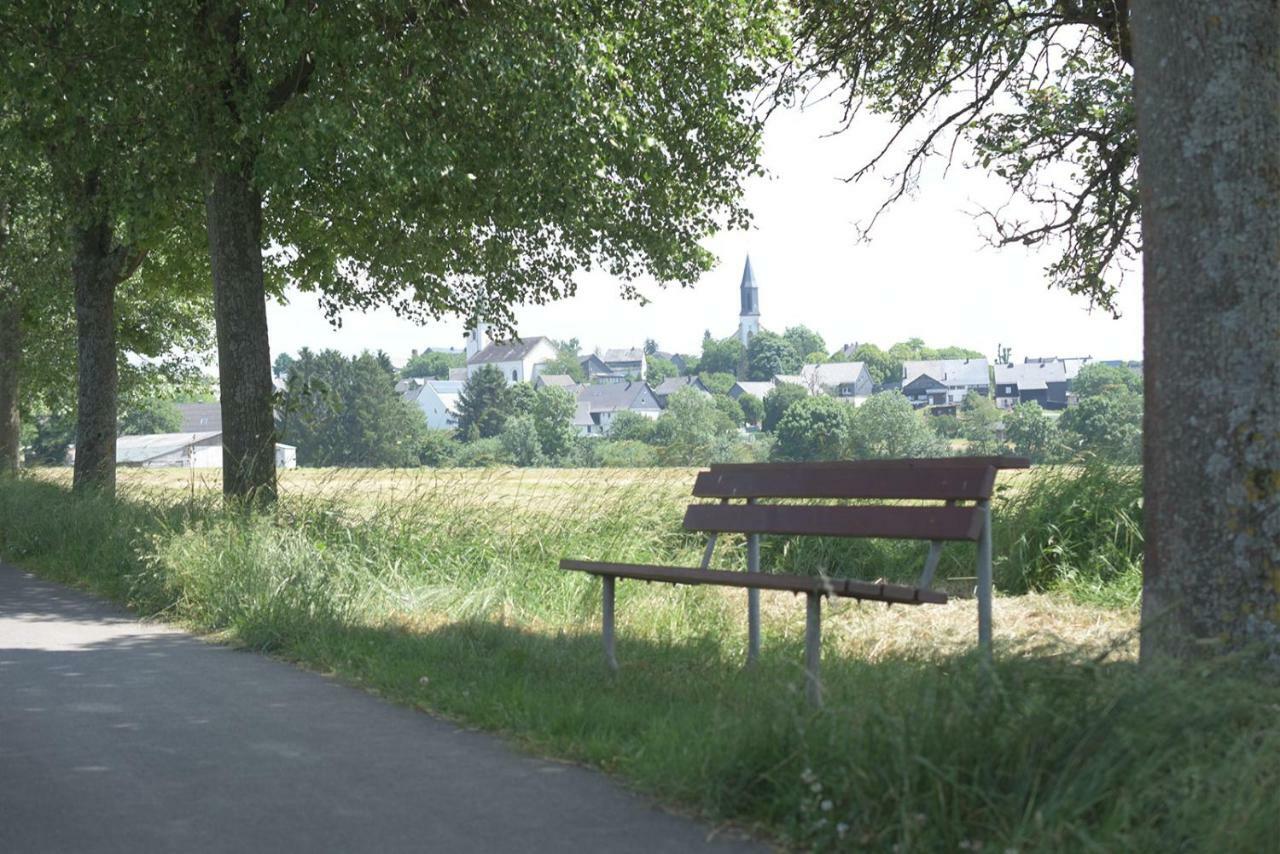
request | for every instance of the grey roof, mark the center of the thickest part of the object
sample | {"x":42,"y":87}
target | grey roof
{"x":671,"y":385}
{"x":1071,"y":364}
{"x":561,"y":380}
{"x":200,"y":416}
{"x":1031,"y":376}
{"x":834,"y":373}
{"x":632,"y":354}
{"x":948,"y":372}
{"x":609,"y":397}
{"x":756,"y":389}
{"x":458,"y":375}
{"x":506,"y":351}
{"x":748,"y":290}
{"x":140,"y":449}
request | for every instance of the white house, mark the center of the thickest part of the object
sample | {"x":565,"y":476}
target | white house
{"x":598,"y":404}
{"x":944,"y":382}
{"x":848,"y":381}
{"x":438,"y":400}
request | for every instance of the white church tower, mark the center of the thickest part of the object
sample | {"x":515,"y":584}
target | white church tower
{"x":749,"y":318}
{"x":477,"y":339}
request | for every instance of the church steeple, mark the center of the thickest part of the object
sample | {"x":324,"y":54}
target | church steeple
{"x":749,"y":317}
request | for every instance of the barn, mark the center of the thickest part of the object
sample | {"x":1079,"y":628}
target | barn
{"x":197,"y":450}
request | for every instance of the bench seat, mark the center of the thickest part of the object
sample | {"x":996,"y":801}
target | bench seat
{"x":846,"y":587}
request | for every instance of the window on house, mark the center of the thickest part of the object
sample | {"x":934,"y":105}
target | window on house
{"x":513,"y":375}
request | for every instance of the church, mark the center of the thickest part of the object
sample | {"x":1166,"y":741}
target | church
{"x":749,"y":318}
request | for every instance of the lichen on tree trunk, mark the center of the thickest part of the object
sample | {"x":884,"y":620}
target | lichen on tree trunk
{"x":95,"y":270}
{"x":1207,"y":85}
{"x":233,"y":209}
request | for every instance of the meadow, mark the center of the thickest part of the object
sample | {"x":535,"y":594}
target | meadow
{"x":439,"y":589}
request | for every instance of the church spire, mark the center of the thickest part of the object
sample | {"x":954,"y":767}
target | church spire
{"x":749,"y":318}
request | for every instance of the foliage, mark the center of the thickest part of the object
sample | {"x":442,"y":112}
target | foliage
{"x":432,"y":364}
{"x":814,"y":428}
{"x":918,"y":745}
{"x":778,"y":400}
{"x":720,"y":357}
{"x":553,"y":411}
{"x":628,"y":426}
{"x":566,"y":363}
{"x":730,"y":409}
{"x":483,"y":404}
{"x":769,"y":354}
{"x":887,"y":426}
{"x":1077,"y":529}
{"x":1032,"y":433}
{"x":52,"y":436}
{"x":438,"y":449}
{"x":1108,"y":425}
{"x":657,"y":370}
{"x":752,"y":408}
{"x":1095,"y":380}
{"x":689,"y":428}
{"x":150,"y":416}
{"x":980,"y":421}
{"x":520,"y":441}
{"x":341,"y":411}
{"x":282,"y":365}
{"x":625,"y":453}
{"x":718,"y":383}
{"x":482,"y":453}
{"x":1048,"y":107}
{"x":803,"y":341}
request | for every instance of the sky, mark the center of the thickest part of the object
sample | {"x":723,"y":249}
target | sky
{"x":927,"y":271}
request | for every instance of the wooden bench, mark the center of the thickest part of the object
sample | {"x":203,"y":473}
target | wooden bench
{"x":960,"y":489}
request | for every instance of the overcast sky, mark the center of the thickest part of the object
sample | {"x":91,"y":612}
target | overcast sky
{"x":927,"y":272}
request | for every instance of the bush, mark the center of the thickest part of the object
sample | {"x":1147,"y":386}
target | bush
{"x":439,"y":448}
{"x":815,"y":428}
{"x":482,"y":453}
{"x":625,"y":453}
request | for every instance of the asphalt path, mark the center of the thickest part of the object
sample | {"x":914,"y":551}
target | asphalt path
{"x":117,"y":735}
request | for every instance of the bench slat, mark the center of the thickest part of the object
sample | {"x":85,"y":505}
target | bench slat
{"x":915,"y":523}
{"x":894,"y":482}
{"x":908,"y":463}
{"x":846,"y":587}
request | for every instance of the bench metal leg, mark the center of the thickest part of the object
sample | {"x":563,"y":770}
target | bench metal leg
{"x":609,"y":658}
{"x":753,"y":601}
{"x":813,"y":648}
{"x":984,"y":583}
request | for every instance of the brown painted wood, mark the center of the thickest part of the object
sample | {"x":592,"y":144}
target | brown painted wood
{"x":916,"y":523}
{"x":899,"y":463}
{"x":940,"y":483}
{"x":845,"y":587}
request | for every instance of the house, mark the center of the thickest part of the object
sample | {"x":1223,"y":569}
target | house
{"x":850,"y":381}
{"x":628,"y":362}
{"x":615,"y":366}
{"x":599,"y":403}
{"x":520,"y":361}
{"x":200,"y":417}
{"x":756,"y":389}
{"x":1046,"y":381}
{"x":680,"y":360}
{"x":563,"y":381}
{"x":198,"y":450}
{"x":944,"y":382}
{"x":671,"y":385}
{"x":438,"y":400}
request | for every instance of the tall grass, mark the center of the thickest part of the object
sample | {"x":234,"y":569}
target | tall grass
{"x":443,"y":595}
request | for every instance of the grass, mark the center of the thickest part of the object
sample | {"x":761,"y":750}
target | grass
{"x":438,"y":590}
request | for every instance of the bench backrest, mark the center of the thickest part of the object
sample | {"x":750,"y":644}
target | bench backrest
{"x":951,"y":480}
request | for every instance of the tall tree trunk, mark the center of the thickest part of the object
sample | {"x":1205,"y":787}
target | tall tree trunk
{"x":234,"y":217}
{"x":10,"y":361}
{"x":1207,"y":85}
{"x":95,"y":269}
{"x":10,"y":373}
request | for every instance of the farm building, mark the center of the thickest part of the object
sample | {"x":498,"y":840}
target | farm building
{"x":199,"y":450}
